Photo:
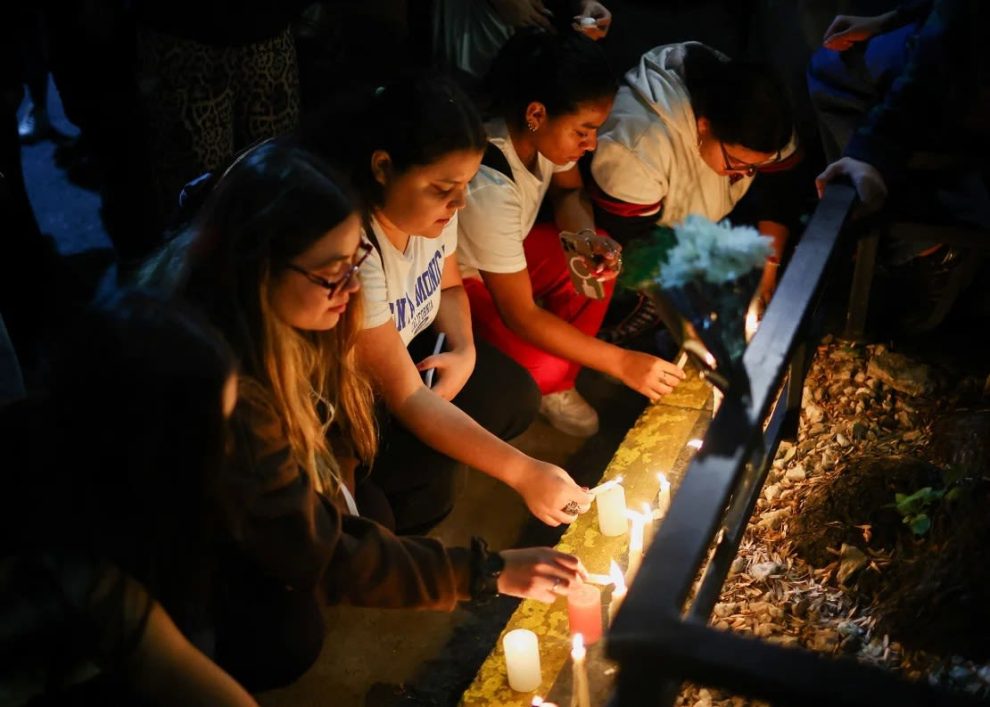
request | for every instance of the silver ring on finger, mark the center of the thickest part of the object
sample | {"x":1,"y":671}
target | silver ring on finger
{"x":556,"y":583}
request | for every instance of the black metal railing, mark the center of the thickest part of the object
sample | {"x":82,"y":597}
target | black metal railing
{"x":661,"y":635}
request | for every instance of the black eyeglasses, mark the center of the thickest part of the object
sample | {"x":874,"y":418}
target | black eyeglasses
{"x":363,"y":251}
{"x":740,"y":167}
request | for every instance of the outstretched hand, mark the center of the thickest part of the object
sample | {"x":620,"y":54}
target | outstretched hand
{"x":847,"y":30}
{"x":548,"y":490}
{"x":539,"y":573}
{"x":870,"y":185}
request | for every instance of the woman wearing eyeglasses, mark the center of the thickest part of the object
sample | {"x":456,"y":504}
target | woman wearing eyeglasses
{"x":272,"y":260}
{"x":688,"y":133}
{"x":419,"y":144}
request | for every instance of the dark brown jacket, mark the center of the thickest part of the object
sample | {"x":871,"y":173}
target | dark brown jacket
{"x":300,"y":537}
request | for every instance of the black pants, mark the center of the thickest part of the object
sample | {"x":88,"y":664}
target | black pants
{"x":417,"y":480}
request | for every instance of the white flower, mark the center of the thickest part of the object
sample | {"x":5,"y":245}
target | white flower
{"x":713,"y":252}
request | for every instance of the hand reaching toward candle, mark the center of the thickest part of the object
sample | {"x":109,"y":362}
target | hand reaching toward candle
{"x":548,"y":490}
{"x":646,"y":374}
{"x":540,"y":573}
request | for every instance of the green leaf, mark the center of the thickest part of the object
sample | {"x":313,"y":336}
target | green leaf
{"x":641,"y":259}
{"x":918,"y":501}
{"x":920,"y":524}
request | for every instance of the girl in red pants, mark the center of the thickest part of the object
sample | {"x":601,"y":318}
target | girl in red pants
{"x":553,"y":93}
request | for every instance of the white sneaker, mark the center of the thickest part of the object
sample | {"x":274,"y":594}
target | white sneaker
{"x":570,"y":413}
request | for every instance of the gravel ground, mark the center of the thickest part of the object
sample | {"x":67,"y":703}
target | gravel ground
{"x":860,"y":402}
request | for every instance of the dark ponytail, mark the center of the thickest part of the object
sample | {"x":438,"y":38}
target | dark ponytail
{"x":561,"y":71}
{"x":745,"y":103}
{"x":417,"y":120}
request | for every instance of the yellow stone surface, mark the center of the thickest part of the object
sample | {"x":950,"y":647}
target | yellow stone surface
{"x":651,"y":446}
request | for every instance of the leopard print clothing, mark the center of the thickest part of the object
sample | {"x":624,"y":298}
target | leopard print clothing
{"x":205,"y":103}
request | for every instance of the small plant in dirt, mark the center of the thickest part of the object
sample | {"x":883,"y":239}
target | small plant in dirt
{"x":916,"y":509}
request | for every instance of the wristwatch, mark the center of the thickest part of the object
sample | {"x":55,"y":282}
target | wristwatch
{"x":486,"y":568}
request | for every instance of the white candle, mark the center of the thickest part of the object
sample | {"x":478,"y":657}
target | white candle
{"x":635,"y":544}
{"x":663,"y":495}
{"x":522,"y":660}
{"x":618,"y":591}
{"x":647,"y":525}
{"x":612,"y":511}
{"x":580,"y":693}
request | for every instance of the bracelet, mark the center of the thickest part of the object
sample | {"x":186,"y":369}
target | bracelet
{"x":486,"y":567}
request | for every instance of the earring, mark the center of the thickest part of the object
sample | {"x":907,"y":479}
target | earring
{"x":532,"y":126}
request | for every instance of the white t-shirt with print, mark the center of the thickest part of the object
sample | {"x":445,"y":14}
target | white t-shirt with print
{"x":407,"y":288}
{"x":500,"y":212}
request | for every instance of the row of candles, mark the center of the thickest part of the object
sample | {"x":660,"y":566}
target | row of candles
{"x":584,"y":603}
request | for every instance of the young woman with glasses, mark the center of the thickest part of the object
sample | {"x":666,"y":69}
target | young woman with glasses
{"x":271,"y":259}
{"x":688,"y":134}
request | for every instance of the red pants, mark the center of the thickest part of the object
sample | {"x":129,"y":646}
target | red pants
{"x":553,"y":291}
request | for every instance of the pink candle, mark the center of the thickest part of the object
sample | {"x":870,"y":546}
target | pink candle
{"x":584,"y":611}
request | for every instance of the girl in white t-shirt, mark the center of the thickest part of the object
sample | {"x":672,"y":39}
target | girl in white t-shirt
{"x":411,"y":154}
{"x":554,"y":92}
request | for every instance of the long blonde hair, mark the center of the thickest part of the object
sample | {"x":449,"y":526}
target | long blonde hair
{"x":271,"y":206}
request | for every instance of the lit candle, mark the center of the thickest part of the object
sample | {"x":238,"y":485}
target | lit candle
{"x":612,"y":511}
{"x":716,"y":400}
{"x":647,"y":525}
{"x":584,"y":612}
{"x":522,"y":660}
{"x":538,"y":701}
{"x":663,"y":495}
{"x":695,"y":443}
{"x":635,"y":544}
{"x":618,"y":591}
{"x":580,"y":693}
{"x":752,"y":321}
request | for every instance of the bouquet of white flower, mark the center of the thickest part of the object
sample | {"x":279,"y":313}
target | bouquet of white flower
{"x":707,"y":272}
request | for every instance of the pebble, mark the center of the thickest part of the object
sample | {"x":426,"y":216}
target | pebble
{"x":763,"y":570}
{"x":797,"y":473}
{"x":842,"y":440}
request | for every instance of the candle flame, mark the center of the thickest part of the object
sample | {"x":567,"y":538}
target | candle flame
{"x":695,"y":444}
{"x":577,"y":644}
{"x":537,"y":701}
{"x":647,"y":511}
{"x":662,"y":478}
